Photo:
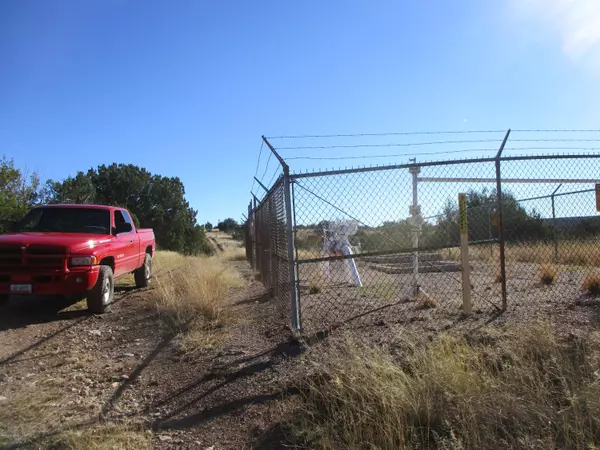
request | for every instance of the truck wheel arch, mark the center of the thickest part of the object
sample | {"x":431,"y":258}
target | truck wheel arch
{"x":108,"y":261}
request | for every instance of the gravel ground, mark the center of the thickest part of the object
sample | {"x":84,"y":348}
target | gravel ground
{"x":121,"y":367}
{"x":385,"y":300}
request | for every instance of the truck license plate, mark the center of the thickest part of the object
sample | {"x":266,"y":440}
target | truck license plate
{"x":20,"y":289}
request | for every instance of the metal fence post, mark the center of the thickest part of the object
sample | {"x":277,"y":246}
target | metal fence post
{"x":297,"y":267}
{"x":415,"y":218}
{"x":250,"y":235}
{"x":554,"y":224}
{"x":290,"y":248}
{"x":501,"y":220}
{"x":287,"y":192}
{"x":464,"y":253}
{"x":255,"y":233}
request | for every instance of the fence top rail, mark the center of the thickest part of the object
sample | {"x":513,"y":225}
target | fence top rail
{"x":443,"y":163}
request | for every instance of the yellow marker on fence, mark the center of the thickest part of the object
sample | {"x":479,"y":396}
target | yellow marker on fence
{"x":464,"y":253}
{"x":597,"y":197}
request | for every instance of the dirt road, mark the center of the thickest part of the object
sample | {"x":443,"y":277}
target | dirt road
{"x":64,"y":369}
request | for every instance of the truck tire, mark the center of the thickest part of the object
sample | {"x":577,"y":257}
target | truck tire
{"x":143,"y":274}
{"x":100,"y":297}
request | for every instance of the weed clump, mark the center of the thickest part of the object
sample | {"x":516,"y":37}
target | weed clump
{"x":314,"y":289}
{"x":548,"y":274}
{"x":518,"y":390}
{"x":591,"y":283}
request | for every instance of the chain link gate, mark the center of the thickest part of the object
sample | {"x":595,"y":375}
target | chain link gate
{"x":372,"y":245}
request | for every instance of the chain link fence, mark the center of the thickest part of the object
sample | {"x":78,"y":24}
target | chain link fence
{"x":267,"y":245}
{"x":383,"y":244}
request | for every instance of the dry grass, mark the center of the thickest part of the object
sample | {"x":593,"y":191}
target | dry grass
{"x":191,"y":297}
{"x":233,"y":254}
{"x":578,"y":253}
{"x":26,"y":414}
{"x":591,"y":283}
{"x":499,"y":277}
{"x":427,"y":303}
{"x":548,"y":273}
{"x":314,"y":288}
{"x":105,"y":437}
{"x":524,"y":390}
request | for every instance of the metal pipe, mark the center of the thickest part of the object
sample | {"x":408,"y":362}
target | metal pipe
{"x":261,"y":185}
{"x":501,"y":220}
{"x":279,"y":158}
{"x":296,"y":267}
{"x":255,"y":236}
{"x":296,"y":325}
{"x":554,"y":223}
{"x":415,"y":212}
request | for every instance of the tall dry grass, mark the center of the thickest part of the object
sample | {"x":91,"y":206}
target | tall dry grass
{"x":102,"y":437}
{"x":526,"y":390}
{"x":579,"y":253}
{"x":233,"y":254}
{"x":191,"y":296}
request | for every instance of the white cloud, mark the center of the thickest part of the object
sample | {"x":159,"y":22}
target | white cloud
{"x":575,"y":22}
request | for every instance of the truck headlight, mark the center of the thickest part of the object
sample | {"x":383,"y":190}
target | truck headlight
{"x":83,"y":261}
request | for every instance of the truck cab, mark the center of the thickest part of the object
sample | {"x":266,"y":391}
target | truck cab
{"x":74,"y":249}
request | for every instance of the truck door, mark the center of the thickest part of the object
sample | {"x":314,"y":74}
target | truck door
{"x":128,"y":256}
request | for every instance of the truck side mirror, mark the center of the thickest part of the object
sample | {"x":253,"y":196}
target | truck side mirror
{"x":122,"y":228}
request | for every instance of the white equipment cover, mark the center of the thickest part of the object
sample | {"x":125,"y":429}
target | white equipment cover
{"x":335,"y":242}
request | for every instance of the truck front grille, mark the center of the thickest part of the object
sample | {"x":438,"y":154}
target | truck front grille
{"x":10,"y":256}
{"x":34,"y":256}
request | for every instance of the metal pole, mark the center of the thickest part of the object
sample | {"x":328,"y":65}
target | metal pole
{"x":254,"y":237}
{"x":261,"y":185}
{"x":249,"y":244}
{"x":297,"y":267}
{"x":279,"y":158}
{"x":490,"y":233}
{"x":554,"y":224}
{"x":296,"y":325}
{"x":415,"y":211}
{"x":501,"y":220}
{"x":464,"y":253}
{"x":287,"y":192}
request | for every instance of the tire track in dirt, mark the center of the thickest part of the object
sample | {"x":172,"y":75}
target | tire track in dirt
{"x":217,"y":246}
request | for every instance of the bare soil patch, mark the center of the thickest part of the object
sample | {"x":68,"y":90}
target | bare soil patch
{"x":67,"y":376}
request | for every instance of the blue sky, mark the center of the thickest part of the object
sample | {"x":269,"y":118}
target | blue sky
{"x":186,"y":88}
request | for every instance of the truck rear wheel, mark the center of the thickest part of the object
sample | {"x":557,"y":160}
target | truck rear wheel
{"x":143,"y":274}
{"x":100,"y":297}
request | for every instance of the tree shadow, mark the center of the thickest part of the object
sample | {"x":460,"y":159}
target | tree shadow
{"x":221,"y":409}
{"x":15,"y":355}
{"x":252,"y":366}
{"x":134,"y":376}
{"x":281,"y":435}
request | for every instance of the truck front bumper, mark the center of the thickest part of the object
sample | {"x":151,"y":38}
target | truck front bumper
{"x":76,"y":280}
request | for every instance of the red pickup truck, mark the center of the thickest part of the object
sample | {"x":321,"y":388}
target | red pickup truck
{"x":74,"y":249}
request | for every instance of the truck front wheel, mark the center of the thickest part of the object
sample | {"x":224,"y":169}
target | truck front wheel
{"x":143,"y":274}
{"x":100,"y":297}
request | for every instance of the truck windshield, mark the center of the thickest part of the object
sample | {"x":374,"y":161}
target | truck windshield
{"x":67,"y":220}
